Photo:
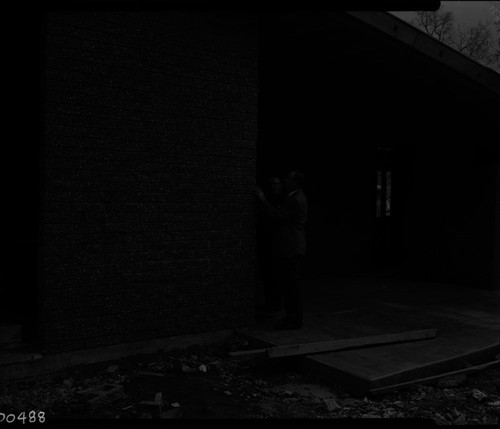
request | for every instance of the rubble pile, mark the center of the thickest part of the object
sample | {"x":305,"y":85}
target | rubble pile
{"x":202,"y":382}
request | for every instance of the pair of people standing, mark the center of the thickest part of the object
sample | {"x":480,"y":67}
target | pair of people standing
{"x":287,"y":216}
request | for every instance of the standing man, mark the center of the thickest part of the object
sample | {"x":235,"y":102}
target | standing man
{"x":289,"y":245}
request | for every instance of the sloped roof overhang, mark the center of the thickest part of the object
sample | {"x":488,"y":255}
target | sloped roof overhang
{"x":431,"y":47}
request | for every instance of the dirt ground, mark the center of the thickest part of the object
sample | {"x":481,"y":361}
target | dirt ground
{"x":203,"y":382}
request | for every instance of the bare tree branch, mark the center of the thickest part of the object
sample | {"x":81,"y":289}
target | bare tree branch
{"x":436,"y":24}
{"x":476,"y":42}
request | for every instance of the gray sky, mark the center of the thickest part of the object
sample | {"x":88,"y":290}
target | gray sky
{"x":467,"y":12}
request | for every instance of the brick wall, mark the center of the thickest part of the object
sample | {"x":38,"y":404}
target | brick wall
{"x":150,"y":123}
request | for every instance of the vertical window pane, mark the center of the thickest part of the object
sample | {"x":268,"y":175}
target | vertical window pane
{"x":388,"y":194}
{"x":379,"y":193}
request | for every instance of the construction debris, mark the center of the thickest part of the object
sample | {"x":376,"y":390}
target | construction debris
{"x":460,"y":418}
{"x":349,"y":402}
{"x":155,"y":406}
{"x":478,"y":395}
{"x":440,"y":419}
{"x":372,"y":415}
{"x":331,"y":404}
{"x":253,"y":389}
{"x":112,"y":369}
{"x":452,"y":381}
{"x":174,"y":413}
{"x":150,"y":374}
{"x":100,"y":395}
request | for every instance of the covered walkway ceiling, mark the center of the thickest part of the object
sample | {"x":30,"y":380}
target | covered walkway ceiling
{"x":379,"y":52}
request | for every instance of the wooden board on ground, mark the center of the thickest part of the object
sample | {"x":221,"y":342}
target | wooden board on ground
{"x":401,"y":386}
{"x":337,"y":344}
{"x":361,"y":370}
{"x":467,"y":320}
{"x":368,"y":369}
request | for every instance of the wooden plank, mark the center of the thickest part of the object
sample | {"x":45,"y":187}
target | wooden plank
{"x":373,"y":368}
{"x":249,"y":353}
{"x":400,"y":386}
{"x":350,"y":343}
{"x":337,"y":312}
{"x":336,"y":345}
{"x":455,"y":362}
{"x":274,"y":338}
{"x":16,"y":357}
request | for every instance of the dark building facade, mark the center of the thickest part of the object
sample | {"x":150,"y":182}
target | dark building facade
{"x":151,"y":131}
{"x":157,"y":125}
{"x":365,"y":99}
{"x":148,"y":167}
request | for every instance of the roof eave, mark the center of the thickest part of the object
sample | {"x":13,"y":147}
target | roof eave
{"x":431,"y":47}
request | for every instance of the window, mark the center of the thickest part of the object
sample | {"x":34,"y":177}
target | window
{"x":379,"y":193}
{"x":383,"y":196}
{"x":388,"y":193}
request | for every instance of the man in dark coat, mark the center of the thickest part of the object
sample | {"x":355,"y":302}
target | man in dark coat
{"x":289,"y":245}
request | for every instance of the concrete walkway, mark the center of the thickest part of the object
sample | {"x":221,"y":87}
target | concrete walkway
{"x":467,"y":321}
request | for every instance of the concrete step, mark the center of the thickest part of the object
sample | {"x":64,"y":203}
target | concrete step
{"x":10,"y":333}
